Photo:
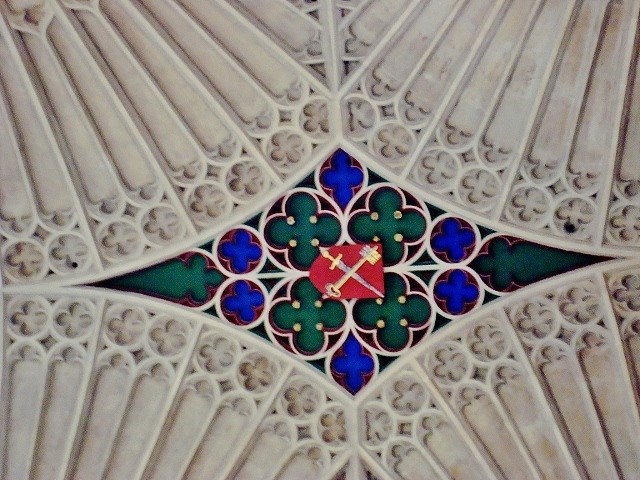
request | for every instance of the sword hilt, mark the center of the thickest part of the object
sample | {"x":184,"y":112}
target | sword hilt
{"x":334,"y":260}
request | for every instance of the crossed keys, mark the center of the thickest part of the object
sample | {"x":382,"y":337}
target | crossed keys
{"x":367,"y":254}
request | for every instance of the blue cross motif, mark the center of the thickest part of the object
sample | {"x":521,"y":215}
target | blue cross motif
{"x":353,"y":366}
{"x":453,"y":240}
{"x":341,"y":177}
{"x":240,"y":250}
{"x":244,"y":301}
{"x":456,"y":291}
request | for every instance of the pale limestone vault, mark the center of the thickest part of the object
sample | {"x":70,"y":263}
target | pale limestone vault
{"x":131,"y":130}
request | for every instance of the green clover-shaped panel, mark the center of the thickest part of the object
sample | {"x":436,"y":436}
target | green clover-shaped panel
{"x":390,"y":221}
{"x":302,"y":228}
{"x":392,"y":317}
{"x":507,"y":263}
{"x":307,"y":317}
{"x":190,"y":279}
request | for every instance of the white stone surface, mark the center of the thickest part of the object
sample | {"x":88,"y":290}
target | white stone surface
{"x":131,"y":130}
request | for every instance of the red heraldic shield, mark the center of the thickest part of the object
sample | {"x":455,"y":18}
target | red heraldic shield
{"x":349,"y":271}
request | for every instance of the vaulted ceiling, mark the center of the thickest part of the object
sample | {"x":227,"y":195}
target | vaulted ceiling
{"x":133,"y":131}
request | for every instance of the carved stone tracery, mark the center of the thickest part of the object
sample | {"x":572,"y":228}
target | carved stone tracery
{"x":129,"y":130}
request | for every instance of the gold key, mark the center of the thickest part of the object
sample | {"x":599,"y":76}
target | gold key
{"x":368,"y":254}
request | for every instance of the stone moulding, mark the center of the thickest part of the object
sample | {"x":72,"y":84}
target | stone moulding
{"x":127,"y":386}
